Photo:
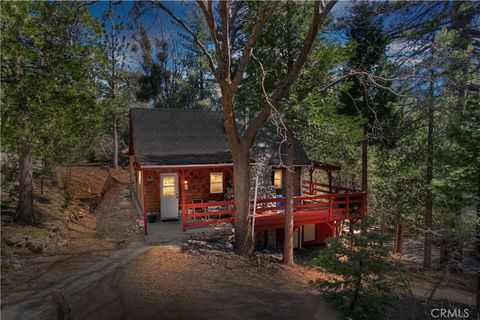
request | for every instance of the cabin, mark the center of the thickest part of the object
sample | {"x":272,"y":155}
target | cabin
{"x":181,"y":169}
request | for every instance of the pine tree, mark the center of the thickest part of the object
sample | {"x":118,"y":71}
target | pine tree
{"x":50,"y":60}
{"x":362,"y":289}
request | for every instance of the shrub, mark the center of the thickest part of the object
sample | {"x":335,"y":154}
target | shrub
{"x":361,"y":290}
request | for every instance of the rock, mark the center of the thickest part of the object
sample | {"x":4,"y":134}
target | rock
{"x":62,"y":243}
{"x":36,"y":246}
{"x":21,"y":243}
{"x":124,"y":204}
{"x":54,"y":228}
{"x":14,"y":239}
{"x":17,"y":266}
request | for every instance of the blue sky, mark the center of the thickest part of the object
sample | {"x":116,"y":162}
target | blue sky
{"x":180,"y":8}
{"x":156,"y":21}
{"x":150,"y":18}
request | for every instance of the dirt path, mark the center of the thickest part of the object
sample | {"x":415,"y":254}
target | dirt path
{"x":166,"y":283}
{"x":93,"y":239}
{"x":38,"y":305}
{"x":110,"y":273}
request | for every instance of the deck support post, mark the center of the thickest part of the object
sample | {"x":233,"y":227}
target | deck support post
{"x":144,"y":186}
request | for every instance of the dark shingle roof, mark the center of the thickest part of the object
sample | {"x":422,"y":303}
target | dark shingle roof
{"x":273,"y":145}
{"x":188,"y":137}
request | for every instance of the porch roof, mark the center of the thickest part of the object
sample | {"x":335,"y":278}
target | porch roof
{"x":177,"y":137}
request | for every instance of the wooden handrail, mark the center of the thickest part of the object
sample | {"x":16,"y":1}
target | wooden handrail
{"x":208,"y":204}
{"x":208,"y":213}
{"x":307,"y":209}
{"x":334,"y":187}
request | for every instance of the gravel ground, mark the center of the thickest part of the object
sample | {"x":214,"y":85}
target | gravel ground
{"x":169,"y":283}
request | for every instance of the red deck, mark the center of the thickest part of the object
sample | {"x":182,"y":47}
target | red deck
{"x":344,"y":204}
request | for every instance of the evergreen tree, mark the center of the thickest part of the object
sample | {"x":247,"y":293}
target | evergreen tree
{"x":198,"y":88}
{"x":49,"y":69}
{"x":362,"y":288}
{"x":364,"y":98}
{"x":115,"y":97}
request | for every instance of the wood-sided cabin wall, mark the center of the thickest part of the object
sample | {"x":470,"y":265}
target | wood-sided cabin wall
{"x":197,"y":182}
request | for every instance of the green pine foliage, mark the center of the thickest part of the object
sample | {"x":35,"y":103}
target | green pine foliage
{"x":50,"y":61}
{"x":361,"y":289}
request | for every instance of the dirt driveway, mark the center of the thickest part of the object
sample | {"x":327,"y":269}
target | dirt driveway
{"x":166,"y":283}
{"x":125,"y":278}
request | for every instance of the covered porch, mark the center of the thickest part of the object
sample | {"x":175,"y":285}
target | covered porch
{"x":185,"y":194}
{"x":202,"y":197}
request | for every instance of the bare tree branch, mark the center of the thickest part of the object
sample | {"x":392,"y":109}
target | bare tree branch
{"x":194,"y":36}
{"x":206,"y":7}
{"x":265,"y":13}
{"x":225,"y":40}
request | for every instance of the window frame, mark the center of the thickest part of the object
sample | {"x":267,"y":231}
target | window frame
{"x":169,"y":186}
{"x":275,"y":170}
{"x":216,"y":183}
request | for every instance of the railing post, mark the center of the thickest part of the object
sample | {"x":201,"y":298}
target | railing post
{"x":330,"y":204}
{"x":347,"y":205}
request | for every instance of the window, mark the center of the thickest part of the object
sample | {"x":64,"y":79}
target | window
{"x":277,"y":178}
{"x":168,"y":186}
{"x":216,"y":182}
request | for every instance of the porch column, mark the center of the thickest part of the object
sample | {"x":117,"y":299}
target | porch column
{"x":183,"y":176}
{"x":144,"y":186}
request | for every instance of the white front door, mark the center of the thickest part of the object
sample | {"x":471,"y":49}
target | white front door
{"x":169,"y":195}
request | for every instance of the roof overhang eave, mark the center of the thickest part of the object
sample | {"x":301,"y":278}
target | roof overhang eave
{"x":183,"y":166}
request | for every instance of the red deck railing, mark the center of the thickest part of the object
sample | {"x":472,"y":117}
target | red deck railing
{"x":207,"y":213}
{"x":324,"y":188}
{"x":310,"y":209}
{"x":270,"y":213}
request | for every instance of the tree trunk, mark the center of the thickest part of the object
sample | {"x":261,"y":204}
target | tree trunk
{"x":288,"y":240}
{"x":115,"y":143}
{"x":42,"y":177}
{"x":241,"y":167}
{"x":25,"y":210}
{"x":357,"y":286}
{"x":399,"y":233}
{"x":365,"y":158}
{"x":427,"y":256}
{"x":478,"y":248}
